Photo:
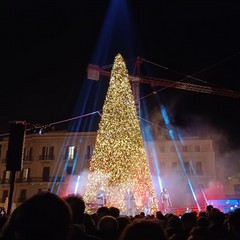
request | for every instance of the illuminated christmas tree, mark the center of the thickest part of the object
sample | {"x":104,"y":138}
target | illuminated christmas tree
{"x":119,"y":159}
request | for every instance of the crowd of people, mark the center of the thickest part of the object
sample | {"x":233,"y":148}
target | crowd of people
{"x":46,"y":216}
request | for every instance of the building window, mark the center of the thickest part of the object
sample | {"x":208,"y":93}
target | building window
{"x":46,"y":174}
{"x":197,"y":148}
{"x":69,"y":170}
{"x":187,"y":167}
{"x":27,"y":154}
{"x":22,"y":196}
{"x":162,"y":169}
{"x":237,"y":188}
{"x":161,"y":149}
{"x":173,"y":148}
{"x":6,"y":176}
{"x":4,"y":159}
{"x":25,"y":174}
{"x":174,"y":167}
{"x":4,"y":196}
{"x":70,"y":152}
{"x":47,"y":153}
{"x":199,"y":170}
{"x":89,"y":151}
{"x":6,"y":153}
{"x":184,"y":148}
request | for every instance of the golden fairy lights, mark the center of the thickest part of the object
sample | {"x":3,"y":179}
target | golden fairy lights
{"x":119,"y":158}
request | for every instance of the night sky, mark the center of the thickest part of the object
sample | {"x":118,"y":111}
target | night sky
{"x":47,"y":45}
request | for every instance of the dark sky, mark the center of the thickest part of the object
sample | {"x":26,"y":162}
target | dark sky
{"x":47,"y":45}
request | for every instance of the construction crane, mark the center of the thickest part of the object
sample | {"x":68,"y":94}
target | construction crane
{"x":94,"y":72}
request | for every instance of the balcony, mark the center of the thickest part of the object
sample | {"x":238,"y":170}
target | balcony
{"x":46,"y":157}
{"x":33,"y":180}
{"x":5,"y":181}
{"x":27,"y":159}
{"x":40,"y":179}
{"x":70,"y":160}
{"x":22,"y":180}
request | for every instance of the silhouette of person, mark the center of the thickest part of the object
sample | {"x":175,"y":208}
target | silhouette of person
{"x":148,"y":204}
{"x":166,"y":202}
{"x":142,"y":229}
{"x":43,"y":216}
{"x":77,"y":229}
{"x":101,"y":197}
{"x":129,"y":202}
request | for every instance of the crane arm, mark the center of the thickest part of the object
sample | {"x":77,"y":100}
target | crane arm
{"x":189,"y":87}
{"x":95,"y":71}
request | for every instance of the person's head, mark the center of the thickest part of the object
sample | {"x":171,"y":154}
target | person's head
{"x":203,"y":221}
{"x":123,"y":221}
{"x":164,"y":190}
{"x":208,"y":209}
{"x":200,"y":233}
{"x":114,"y":211}
{"x":77,"y":206}
{"x":89,"y":223}
{"x":43,"y":216}
{"x":216,"y":216}
{"x":101,"y":212}
{"x":234,"y":222}
{"x":160,"y":216}
{"x":8,"y":230}
{"x":108,"y":225}
{"x":143,"y":229}
{"x":189,"y":220}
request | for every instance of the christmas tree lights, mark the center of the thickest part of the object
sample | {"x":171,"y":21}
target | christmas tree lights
{"x":119,"y":159}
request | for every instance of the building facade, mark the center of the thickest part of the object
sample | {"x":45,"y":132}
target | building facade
{"x":185,"y":168}
{"x":58,"y":161}
{"x":48,"y":161}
